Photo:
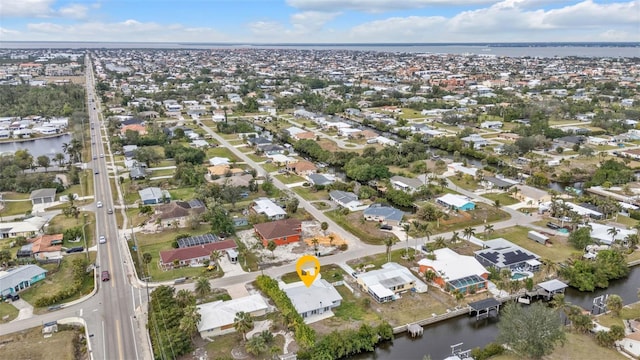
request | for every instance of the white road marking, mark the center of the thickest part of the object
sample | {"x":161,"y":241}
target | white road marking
{"x":133,"y":331}
{"x":104,"y":342}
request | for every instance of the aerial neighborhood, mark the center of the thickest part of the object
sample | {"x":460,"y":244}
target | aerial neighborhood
{"x":431,"y":187}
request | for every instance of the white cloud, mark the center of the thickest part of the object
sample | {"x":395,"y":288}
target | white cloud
{"x":74,"y":11}
{"x":311,"y":20}
{"x":8,"y":32}
{"x":128,"y":30}
{"x":378,"y":5}
{"x":25,"y":8}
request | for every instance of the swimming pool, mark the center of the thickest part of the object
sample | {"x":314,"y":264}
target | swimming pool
{"x":520,"y":275}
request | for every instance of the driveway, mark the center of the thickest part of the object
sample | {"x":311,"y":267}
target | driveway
{"x":26,"y":310}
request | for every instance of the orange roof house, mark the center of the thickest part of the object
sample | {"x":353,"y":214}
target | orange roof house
{"x":282,"y":232}
{"x":302,"y":167}
{"x":134,"y":127}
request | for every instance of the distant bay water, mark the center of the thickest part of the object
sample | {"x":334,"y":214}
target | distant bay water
{"x":543,"y":50}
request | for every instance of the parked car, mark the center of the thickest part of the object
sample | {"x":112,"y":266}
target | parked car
{"x":75,"y":250}
{"x":105,"y":276}
{"x":386,"y":227}
{"x":553,"y":226}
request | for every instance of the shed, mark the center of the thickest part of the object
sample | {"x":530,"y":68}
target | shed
{"x":43,"y":196}
{"x":537,"y":237}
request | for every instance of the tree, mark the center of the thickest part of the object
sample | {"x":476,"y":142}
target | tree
{"x":5,"y":257}
{"x":613,"y":232}
{"x":271,"y":246}
{"x":59,"y":158}
{"x":43,"y":161}
{"x":580,"y":238}
{"x":292,"y":205}
{"x":615,"y":304}
{"x":324,"y":226}
{"x":184,"y":297}
{"x":243,"y":323}
{"x":405,"y":228}
{"x":190,"y":320}
{"x":430,"y":275}
{"x":455,"y":237}
{"x":215,"y":256}
{"x":255,"y":345}
{"x":532,"y":332}
{"x":549,"y":267}
{"x":203,"y":287}
{"x":388,"y":243}
{"x":488,"y":229}
{"x":469,"y":232}
{"x":146,"y":260}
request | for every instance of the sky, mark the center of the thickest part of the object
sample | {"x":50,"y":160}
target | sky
{"x":320,"y":21}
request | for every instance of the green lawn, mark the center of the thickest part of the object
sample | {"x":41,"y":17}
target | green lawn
{"x":628,"y":313}
{"x":365,"y":231}
{"x":6,"y":309}
{"x":467,"y":184}
{"x":331,"y":273}
{"x":270,"y":167}
{"x":57,"y":279}
{"x":221,"y":152}
{"x":255,"y":157}
{"x":154,"y":243}
{"x":378,"y":260}
{"x":166,"y":162}
{"x":483,"y":213}
{"x":60,"y":222}
{"x":162,"y":172}
{"x":87,"y":185}
{"x":15,"y":207}
{"x":576,"y":346}
{"x":309,"y":193}
{"x":186,"y":193}
{"x":625,"y":220}
{"x":503,"y":198}
{"x":289,"y":179}
{"x":559,"y":251}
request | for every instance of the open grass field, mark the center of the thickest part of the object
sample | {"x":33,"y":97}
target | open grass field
{"x":576,"y":346}
{"x":558,"y":251}
{"x":483,"y":213}
{"x":185,"y":193}
{"x":8,"y":312}
{"x":289,"y":179}
{"x":15,"y":207}
{"x":60,"y":222}
{"x":503,"y":198}
{"x":310,"y":194}
{"x":221,"y":152}
{"x":57,"y":279}
{"x":367,"y":231}
{"x":30,"y":345}
{"x":467,"y":184}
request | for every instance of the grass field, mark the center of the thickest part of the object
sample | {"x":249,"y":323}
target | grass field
{"x":470,"y":185}
{"x":15,"y":207}
{"x":503,"y":198}
{"x":331,"y":273}
{"x":31,"y":345}
{"x":309,"y":193}
{"x":289,"y":179}
{"x":367,"y":231}
{"x":57,"y":279}
{"x":8,"y":310}
{"x":628,"y":313}
{"x":482,"y":214}
{"x":60,"y":222}
{"x":221,"y":152}
{"x":186,"y":193}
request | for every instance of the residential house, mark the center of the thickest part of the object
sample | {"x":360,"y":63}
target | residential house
{"x":176,"y":212}
{"x":317,"y":299}
{"x":364,"y":134}
{"x":499,"y":183}
{"x":456,"y":272}
{"x":272,"y":149}
{"x":218,"y":317}
{"x":458,"y":167}
{"x":154,"y":195}
{"x":631,"y":342}
{"x":475,"y":140}
{"x":508,"y":136}
{"x":491,"y":125}
{"x":43,"y":248}
{"x":281,"y":232}
{"x":20,"y":278}
{"x":503,"y":254}
{"x":43,"y":196}
{"x":258,"y":141}
{"x":193,"y":256}
{"x":384,"y":284}
{"x":137,"y":172}
{"x":282,"y":160}
{"x":601,"y":234}
{"x":456,"y":202}
{"x":347,"y":200}
{"x":302,"y":167}
{"x":383,"y":214}
{"x":27,"y":228}
{"x":140,"y":129}
{"x":405,"y":184}
{"x":320,"y":179}
{"x":529,"y":194}
{"x":269,"y":208}
{"x":216,"y":161}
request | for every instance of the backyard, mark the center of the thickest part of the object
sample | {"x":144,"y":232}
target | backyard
{"x":8,"y":312}
{"x":558,"y":251}
{"x":367,"y":231}
{"x":15,"y":207}
{"x":576,"y":346}
{"x":503,"y":198}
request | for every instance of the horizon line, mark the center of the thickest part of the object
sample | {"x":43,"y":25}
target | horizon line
{"x":483,"y":43}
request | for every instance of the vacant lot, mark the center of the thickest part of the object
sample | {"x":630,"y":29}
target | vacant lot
{"x":628,"y":312}
{"x":331,"y":273}
{"x":31,"y":345}
{"x":482,"y":214}
{"x":367,"y":231}
{"x":558,"y":251}
{"x":311,"y":194}
{"x":59,"y":223}
{"x":503,"y":198}
{"x":15,"y":207}
{"x":577,"y":346}
{"x":7,"y":310}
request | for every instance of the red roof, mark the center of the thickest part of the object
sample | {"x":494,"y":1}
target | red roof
{"x":194,"y":252}
{"x":279,"y":229}
{"x":43,"y":243}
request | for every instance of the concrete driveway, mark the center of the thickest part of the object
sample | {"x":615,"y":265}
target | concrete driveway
{"x":26,"y":310}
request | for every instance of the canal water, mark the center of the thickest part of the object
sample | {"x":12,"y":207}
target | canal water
{"x":438,"y":338}
{"x":45,"y":146}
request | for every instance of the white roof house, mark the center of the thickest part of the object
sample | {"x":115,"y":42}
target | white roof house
{"x":317,"y":299}
{"x":214,"y":161}
{"x":269,"y":208}
{"x":383,"y":284}
{"x":456,"y":202}
{"x":450,"y":265}
{"x":217,"y":317}
{"x":601,"y":233}
{"x":455,"y":167}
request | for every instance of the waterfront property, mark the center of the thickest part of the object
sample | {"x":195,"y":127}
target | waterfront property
{"x":281,"y":232}
{"x":217,"y":317}
{"x":382,"y":213}
{"x":484,"y":308}
{"x":601,"y":233}
{"x":503,"y":254}
{"x":20,"y":278}
{"x":385,"y":284}
{"x":346,"y":199}
{"x":314,"y":302}
{"x":455,"y":272}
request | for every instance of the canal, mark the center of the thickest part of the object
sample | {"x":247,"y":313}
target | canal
{"x":438,"y":338}
{"x":44,"y":146}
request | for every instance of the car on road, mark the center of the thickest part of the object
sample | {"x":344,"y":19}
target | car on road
{"x":102,"y":240}
{"x":386,"y":227}
{"x":95,"y":157}
{"x":105,"y":276}
{"x":96,"y":172}
{"x":99,"y":204}
{"x":110,"y":211}
{"x":101,"y":155}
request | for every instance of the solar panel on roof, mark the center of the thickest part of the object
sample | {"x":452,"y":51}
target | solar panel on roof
{"x":197,"y":240}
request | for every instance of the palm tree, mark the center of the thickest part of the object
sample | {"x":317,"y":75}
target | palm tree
{"x":243,"y":323}
{"x":439,"y":242}
{"x":215,"y":256}
{"x":613,"y":232}
{"x":488,"y":229}
{"x":315,"y":243}
{"x":443,"y":183}
{"x":637,"y":228}
{"x":388,"y":242}
{"x":59,"y":158}
{"x":455,"y":237}
{"x":256,"y":345}
{"x":430,"y":275}
{"x":203,"y":287}
{"x":184,"y":297}
{"x":469,"y":232}
{"x":549,"y":267}
{"x":332,"y":238}
{"x":190,"y":320}
{"x":632,"y":240}
{"x":405,"y":228}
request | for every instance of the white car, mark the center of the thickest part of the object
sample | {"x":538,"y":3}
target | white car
{"x":102,"y":239}
{"x":99,"y":204}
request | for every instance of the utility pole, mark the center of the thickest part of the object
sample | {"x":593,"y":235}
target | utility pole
{"x":84,"y":235}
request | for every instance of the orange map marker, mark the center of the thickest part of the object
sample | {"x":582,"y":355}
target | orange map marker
{"x":308,"y":269}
